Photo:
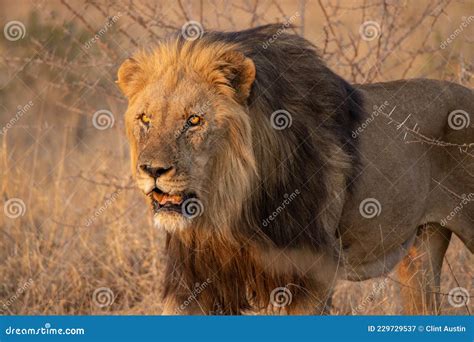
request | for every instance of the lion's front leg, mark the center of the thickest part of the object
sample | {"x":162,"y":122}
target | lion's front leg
{"x":420,"y":271}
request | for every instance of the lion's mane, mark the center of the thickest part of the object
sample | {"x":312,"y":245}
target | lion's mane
{"x":313,"y":162}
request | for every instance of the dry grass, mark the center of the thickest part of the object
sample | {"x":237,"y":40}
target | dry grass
{"x":85,"y":225}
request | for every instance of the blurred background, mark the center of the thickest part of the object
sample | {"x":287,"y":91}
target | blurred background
{"x":76,"y":237}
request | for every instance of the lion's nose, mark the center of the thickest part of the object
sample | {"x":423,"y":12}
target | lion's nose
{"x":156,"y":171}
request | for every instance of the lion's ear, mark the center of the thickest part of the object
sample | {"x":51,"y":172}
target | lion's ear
{"x":130,"y":77}
{"x":240,"y":72}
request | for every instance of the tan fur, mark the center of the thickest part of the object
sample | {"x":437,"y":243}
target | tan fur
{"x":241,"y":168}
{"x":232,"y":177}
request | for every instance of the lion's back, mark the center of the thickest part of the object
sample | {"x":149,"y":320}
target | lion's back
{"x":432,"y":123}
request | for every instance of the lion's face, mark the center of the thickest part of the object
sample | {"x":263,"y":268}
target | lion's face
{"x":181,"y":128}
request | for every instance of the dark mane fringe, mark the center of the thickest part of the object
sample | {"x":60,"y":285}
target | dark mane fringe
{"x":325,"y":110}
{"x":316,"y":156}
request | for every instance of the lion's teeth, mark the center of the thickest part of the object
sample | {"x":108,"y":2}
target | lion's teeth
{"x":157,"y":197}
{"x":165,"y":198}
{"x":177,"y":199}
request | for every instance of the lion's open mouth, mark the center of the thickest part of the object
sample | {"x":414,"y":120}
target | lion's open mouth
{"x":162,"y":201}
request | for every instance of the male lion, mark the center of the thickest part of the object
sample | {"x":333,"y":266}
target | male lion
{"x":273,"y":177}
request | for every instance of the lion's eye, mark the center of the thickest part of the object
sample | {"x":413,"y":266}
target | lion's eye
{"x":194,"y":120}
{"x":145,"y":119}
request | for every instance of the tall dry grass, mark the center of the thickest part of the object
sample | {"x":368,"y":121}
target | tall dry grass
{"x":85,"y":227}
